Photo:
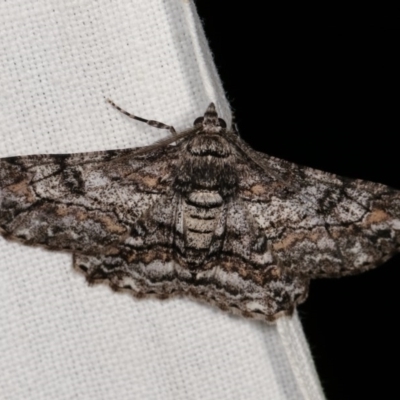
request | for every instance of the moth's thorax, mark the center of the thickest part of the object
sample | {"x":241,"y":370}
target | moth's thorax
{"x":209,"y":144}
{"x":207,"y":164}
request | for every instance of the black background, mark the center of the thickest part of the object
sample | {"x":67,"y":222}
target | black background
{"x":324,"y":94}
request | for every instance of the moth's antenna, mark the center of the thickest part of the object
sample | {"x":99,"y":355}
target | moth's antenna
{"x":154,"y":124}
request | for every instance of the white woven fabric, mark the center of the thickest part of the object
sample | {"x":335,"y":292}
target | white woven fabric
{"x":60,"y":339}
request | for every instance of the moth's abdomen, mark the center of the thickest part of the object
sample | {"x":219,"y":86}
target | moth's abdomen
{"x":201,"y":215}
{"x":205,"y":199}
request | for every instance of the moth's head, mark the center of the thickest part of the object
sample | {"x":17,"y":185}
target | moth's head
{"x":210,"y":121}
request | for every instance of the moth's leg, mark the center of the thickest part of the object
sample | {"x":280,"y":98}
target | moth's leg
{"x":154,"y":124}
{"x":234,"y":127}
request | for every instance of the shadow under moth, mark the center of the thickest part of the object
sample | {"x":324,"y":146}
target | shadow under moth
{"x":200,"y":214}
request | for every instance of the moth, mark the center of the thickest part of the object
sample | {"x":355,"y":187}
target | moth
{"x":200,"y":214}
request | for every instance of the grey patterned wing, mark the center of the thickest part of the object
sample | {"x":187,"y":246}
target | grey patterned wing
{"x":317,"y":224}
{"x":84,"y":203}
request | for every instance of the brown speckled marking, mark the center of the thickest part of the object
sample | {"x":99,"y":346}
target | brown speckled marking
{"x":291,"y":239}
{"x":22,"y":188}
{"x":111,"y":225}
{"x":376,"y":216}
{"x":62,"y":211}
{"x":257,"y":190}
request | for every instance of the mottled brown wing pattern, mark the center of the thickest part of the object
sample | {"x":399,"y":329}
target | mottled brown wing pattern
{"x":81,"y":202}
{"x":200,"y":214}
{"x":319,"y":224}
